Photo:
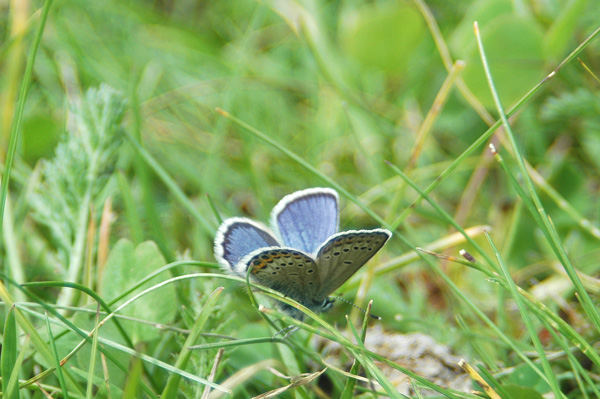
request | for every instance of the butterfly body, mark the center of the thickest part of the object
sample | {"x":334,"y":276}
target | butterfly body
{"x":304,"y":258}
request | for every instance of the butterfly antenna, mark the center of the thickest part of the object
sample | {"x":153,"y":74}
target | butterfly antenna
{"x":356,"y":306}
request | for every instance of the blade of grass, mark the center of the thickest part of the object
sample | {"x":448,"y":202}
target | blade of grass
{"x":443,"y":213}
{"x":120,"y":347}
{"x":528,"y":322}
{"x":479,"y":352}
{"x":170,"y":391}
{"x":132,"y":382}
{"x":214,"y":209}
{"x":479,"y":379}
{"x":578,"y":370}
{"x":546,"y":226}
{"x":482,"y":316}
{"x":13,"y":261}
{"x":166,"y":366}
{"x":155,"y":273}
{"x":39,"y":343}
{"x":213,"y":372}
{"x":348,"y":391}
{"x":57,"y":366}
{"x":434,"y":112}
{"x":496,"y":385}
{"x":487,"y":134}
{"x":239,"y":342}
{"x":257,"y":133}
{"x":8,"y":355}
{"x":93,"y":354}
{"x":446,"y":57}
{"x":543,"y":313}
{"x":87,"y":291}
{"x":583,"y":222}
{"x":355,"y":350}
{"x":12,"y":388}
{"x":371,"y":368}
{"x":18,"y":118}
{"x":86,"y":337}
{"x":148,"y":359}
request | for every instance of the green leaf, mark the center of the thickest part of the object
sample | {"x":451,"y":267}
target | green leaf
{"x":170,"y":391}
{"x":382,"y":36}
{"x":524,"y":376}
{"x":125,"y":266}
{"x":520,"y":392}
{"x":514,"y":50}
{"x":9,"y":352}
{"x":462,"y":41}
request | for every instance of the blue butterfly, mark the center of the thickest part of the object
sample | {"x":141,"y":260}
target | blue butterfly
{"x":303,"y":256}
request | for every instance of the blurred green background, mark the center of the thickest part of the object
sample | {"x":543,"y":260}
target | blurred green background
{"x":344,"y":85}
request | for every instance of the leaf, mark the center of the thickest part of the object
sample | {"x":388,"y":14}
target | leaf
{"x":525,"y":377}
{"x":9,"y":352}
{"x":514,"y":49}
{"x":462,"y":42}
{"x":384,"y":37}
{"x":519,"y":392}
{"x":125,"y":267}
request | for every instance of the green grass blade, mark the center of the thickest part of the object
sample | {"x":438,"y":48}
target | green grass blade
{"x":442,"y":213}
{"x":170,"y":391}
{"x":155,"y":273}
{"x":348,"y":391}
{"x":359,"y":351}
{"x":528,"y":323}
{"x":295,"y":157}
{"x":18,"y":118}
{"x":93,"y":355}
{"x":57,"y":366}
{"x":12,"y":389}
{"x":546,"y":225}
{"x":481,"y":140}
{"x":79,"y":332}
{"x":29,"y":329}
{"x":578,"y":369}
{"x":9,"y":351}
{"x":134,"y":379}
{"x":87,"y":291}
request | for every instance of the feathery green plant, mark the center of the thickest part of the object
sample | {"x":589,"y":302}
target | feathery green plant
{"x":74,"y":181}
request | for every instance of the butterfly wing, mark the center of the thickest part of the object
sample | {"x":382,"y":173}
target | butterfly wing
{"x":237,"y":237}
{"x":346,"y":252}
{"x":305,"y":219}
{"x":289,"y":271}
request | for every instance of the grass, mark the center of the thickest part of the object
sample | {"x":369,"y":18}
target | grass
{"x":139,"y":127}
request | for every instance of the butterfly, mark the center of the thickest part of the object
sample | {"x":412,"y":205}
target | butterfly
{"x":302,"y":256}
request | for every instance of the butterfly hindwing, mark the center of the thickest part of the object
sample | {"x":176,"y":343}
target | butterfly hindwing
{"x":237,"y":237}
{"x":305,"y":219}
{"x":346,"y":252}
{"x":289,"y":271}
